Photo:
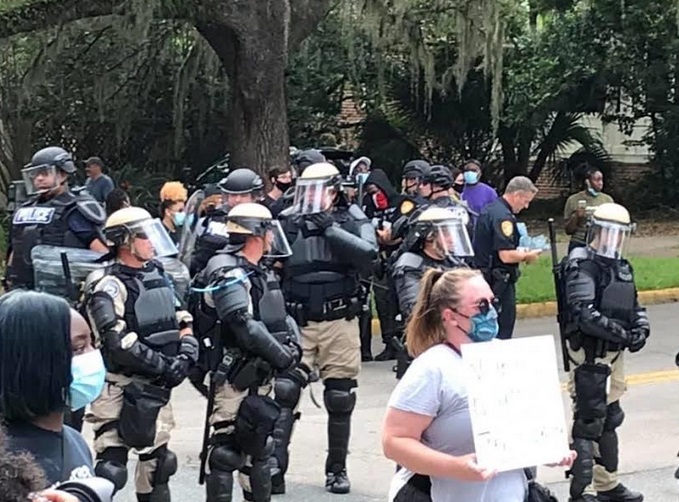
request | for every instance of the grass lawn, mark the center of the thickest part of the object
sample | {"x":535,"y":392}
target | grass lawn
{"x":536,"y":283}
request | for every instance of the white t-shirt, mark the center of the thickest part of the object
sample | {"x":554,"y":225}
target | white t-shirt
{"x":434,"y":386}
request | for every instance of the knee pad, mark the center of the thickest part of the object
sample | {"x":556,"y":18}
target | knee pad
{"x":166,"y":464}
{"x":338,"y":397}
{"x":588,"y":429}
{"x":226,"y":458}
{"x":614,"y":416}
{"x":112,"y":465}
{"x":287,"y":392}
{"x":608,"y":451}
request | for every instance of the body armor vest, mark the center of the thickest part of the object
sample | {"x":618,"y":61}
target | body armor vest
{"x":313,"y":275}
{"x":617,"y":293}
{"x":150,"y":307}
{"x":40,"y":222}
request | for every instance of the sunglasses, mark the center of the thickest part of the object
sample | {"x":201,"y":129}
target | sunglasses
{"x":484,"y":305}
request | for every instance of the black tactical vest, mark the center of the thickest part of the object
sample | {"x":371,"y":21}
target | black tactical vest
{"x":150,"y":306}
{"x":313,"y":275}
{"x":616,"y":292}
{"x":39,"y":222}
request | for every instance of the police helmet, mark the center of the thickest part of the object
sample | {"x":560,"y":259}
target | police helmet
{"x":440,"y":176}
{"x":609,"y":229}
{"x":415,"y":168}
{"x":252,"y":219}
{"x":316,"y":187}
{"x":53,"y":156}
{"x":242,"y":181}
{"x":447,"y":229}
{"x":126,"y":225}
{"x":306,"y":158}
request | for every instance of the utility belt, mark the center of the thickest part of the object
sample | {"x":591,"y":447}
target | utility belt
{"x":242,"y":371}
{"x":501,"y":275}
{"x":594,"y":347}
{"x":332,"y":310}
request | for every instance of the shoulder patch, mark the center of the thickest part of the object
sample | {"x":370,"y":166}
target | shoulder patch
{"x":110,"y":286}
{"x":507,"y":228}
{"x":406,"y":206}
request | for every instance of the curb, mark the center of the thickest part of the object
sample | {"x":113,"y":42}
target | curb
{"x":547,"y":309}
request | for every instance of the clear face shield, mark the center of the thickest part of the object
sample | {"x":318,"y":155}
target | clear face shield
{"x":451,"y":239}
{"x":276,"y":241}
{"x":608,"y":239}
{"x":149,"y":239}
{"x":40,"y":179}
{"x":313,"y":196}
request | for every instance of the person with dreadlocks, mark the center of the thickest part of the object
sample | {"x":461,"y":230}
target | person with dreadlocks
{"x":148,"y":345}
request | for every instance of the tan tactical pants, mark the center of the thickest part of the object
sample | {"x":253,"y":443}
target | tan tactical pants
{"x":107,"y":408}
{"x":227,"y":402}
{"x":602,"y":480}
{"x":334,"y":347}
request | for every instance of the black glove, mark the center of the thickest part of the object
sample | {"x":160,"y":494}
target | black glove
{"x":177,"y":371}
{"x":636,"y":340}
{"x":295,"y":349}
{"x":321,"y":220}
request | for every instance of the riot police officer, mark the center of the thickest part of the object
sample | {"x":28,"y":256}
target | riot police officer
{"x":411,"y":178}
{"x":240,"y":186}
{"x":331,"y":243}
{"x":605,"y":319}
{"x":255,"y":339}
{"x":148,"y":348}
{"x":53,"y":215}
{"x":300,"y":161}
{"x":496,"y":241}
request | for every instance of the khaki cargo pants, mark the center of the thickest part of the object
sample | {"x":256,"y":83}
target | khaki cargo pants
{"x":334,"y":347}
{"x":227,"y":403}
{"x":107,"y":408}
{"x":602,"y":479}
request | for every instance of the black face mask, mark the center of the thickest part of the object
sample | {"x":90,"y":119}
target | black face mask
{"x":458,"y":188}
{"x":282,"y":186}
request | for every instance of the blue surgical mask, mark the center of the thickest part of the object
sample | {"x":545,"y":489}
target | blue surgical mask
{"x":361,"y":178}
{"x":471,"y":177}
{"x":484,"y":326}
{"x":593,"y":192}
{"x":179,"y":218}
{"x":88,"y":373}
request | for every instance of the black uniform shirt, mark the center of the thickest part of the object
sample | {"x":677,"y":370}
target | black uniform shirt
{"x":495,"y":231}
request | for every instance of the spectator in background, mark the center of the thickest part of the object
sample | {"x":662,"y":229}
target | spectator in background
{"x":281,"y":181}
{"x":576,"y":209}
{"x":37,"y":385}
{"x":476,"y":194}
{"x":173,"y":196}
{"x":458,"y":185}
{"x":98,"y":185}
{"x":117,"y":199}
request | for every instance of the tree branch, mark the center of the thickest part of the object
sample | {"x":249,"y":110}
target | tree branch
{"x":304,"y":18}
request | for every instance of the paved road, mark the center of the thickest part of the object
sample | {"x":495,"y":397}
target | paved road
{"x":649,"y":436}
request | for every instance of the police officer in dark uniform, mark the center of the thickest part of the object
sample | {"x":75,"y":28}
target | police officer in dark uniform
{"x":411,"y":178}
{"x":496,"y":239}
{"x":53,"y":215}
{"x":255,"y":340}
{"x":240,"y":186}
{"x":605,"y":319}
{"x":332,"y":242}
{"x":148,"y":347}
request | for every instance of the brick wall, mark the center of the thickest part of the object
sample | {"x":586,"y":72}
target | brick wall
{"x":620,"y":175}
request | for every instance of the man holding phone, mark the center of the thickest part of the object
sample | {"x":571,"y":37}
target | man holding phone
{"x":580,"y":205}
{"x":496,"y":248}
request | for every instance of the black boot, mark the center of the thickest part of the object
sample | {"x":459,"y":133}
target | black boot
{"x":619,"y":494}
{"x":389,"y":353}
{"x":585,"y":497}
{"x":160,"y":493}
{"x":219,"y":486}
{"x":339,"y":429}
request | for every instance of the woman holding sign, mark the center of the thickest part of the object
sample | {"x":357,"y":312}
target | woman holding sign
{"x":427,"y":428}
